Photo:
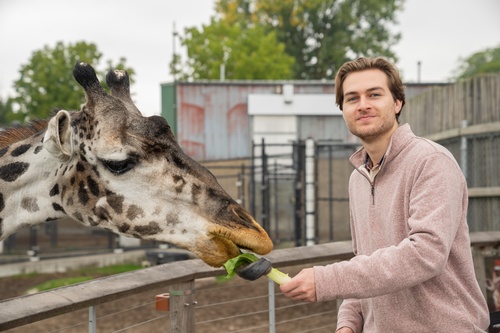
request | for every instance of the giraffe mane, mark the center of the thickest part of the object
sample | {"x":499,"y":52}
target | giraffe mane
{"x":15,"y":134}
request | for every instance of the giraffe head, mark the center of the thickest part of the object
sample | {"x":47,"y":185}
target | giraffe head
{"x":126,"y":173}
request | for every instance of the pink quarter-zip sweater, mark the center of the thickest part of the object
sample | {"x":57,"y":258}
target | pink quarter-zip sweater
{"x":413,"y":269}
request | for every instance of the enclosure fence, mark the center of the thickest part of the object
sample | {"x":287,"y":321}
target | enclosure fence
{"x":186,"y":302}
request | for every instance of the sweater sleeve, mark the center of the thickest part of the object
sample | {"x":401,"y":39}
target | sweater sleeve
{"x":436,"y":199}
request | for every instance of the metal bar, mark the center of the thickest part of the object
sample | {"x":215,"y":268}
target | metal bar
{"x":276,"y":203}
{"x":252,"y":181}
{"x":272,"y":307}
{"x":310,"y":192}
{"x":330,"y":192}
{"x":92,"y":319}
{"x":264,"y":188}
{"x":298,"y":193}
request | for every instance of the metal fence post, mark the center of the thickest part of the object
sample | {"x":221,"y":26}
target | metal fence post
{"x":310,"y":191}
{"x":298,"y":188}
{"x":92,"y":319}
{"x":264,"y":188}
{"x":252,"y":181}
{"x":272,"y":307}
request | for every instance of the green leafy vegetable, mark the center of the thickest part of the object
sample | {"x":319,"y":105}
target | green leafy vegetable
{"x":232,"y":264}
{"x":247,"y":258}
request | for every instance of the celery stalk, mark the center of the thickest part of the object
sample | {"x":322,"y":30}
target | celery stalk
{"x":278,"y":276}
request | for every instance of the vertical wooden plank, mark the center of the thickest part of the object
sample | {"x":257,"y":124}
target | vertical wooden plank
{"x":182,"y":307}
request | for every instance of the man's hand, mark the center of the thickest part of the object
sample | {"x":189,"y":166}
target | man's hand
{"x":301,"y":287}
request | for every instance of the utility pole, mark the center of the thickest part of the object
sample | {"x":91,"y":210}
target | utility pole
{"x":174,"y":35}
{"x":419,"y":70}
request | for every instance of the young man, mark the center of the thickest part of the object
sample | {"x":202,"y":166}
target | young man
{"x":413,"y":269}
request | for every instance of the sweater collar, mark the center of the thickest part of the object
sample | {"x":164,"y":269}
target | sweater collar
{"x":398,"y":140}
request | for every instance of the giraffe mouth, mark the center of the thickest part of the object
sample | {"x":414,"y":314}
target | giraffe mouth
{"x":254,"y":238}
{"x":238,"y":240}
{"x":229,"y":238}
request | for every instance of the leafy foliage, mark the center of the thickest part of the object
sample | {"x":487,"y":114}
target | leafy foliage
{"x":46,"y":81}
{"x":250,"y":53}
{"x":7,"y":116}
{"x":320,"y":35}
{"x":482,"y":62}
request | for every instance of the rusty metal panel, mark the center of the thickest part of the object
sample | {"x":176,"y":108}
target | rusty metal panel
{"x":212,"y":120}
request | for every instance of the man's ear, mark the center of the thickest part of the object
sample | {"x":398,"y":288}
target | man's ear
{"x":398,"y":106}
{"x":58,"y":137}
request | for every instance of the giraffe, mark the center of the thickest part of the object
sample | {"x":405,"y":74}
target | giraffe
{"x":108,"y":166}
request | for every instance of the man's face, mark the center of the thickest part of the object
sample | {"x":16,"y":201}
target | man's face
{"x":369,"y":109}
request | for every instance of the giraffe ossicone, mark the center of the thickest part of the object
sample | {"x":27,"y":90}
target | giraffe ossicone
{"x":108,"y":166}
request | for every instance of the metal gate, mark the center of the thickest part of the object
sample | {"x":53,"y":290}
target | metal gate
{"x":298,"y":191}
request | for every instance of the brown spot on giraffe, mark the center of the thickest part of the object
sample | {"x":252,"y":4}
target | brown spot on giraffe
{"x":12,"y":171}
{"x":152,"y":228}
{"x":134,"y":211}
{"x":124,"y":227}
{"x":20,"y":150}
{"x":93,"y":186}
{"x":54,"y":190}
{"x":30,"y":204}
{"x":180,"y":183}
{"x":83,"y":195}
{"x":115,"y":201}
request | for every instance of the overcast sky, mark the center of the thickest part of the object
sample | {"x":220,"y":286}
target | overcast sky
{"x":435,"y":32}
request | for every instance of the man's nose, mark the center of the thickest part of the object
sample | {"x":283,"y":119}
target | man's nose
{"x":363,"y":103}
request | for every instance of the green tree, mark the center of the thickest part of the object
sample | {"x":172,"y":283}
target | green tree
{"x":247,"y":53}
{"x":482,"y":62}
{"x":6,"y":113}
{"x":321,"y":34}
{"x":46,"y":81}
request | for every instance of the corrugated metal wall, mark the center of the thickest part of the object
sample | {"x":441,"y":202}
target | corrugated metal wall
{"x":211,"y":122}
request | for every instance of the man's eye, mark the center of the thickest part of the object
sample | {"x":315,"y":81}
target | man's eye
{"x":119,"y":167}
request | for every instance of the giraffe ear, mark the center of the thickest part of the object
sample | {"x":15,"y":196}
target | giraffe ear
{"x":58,"y":137}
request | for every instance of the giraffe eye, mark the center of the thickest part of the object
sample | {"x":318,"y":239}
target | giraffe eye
{"x":119,"y":167}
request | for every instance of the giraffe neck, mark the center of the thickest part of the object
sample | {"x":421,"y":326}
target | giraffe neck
{"x":26,"y":172}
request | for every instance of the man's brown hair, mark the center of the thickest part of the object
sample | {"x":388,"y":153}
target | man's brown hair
{"x":393,"y":79}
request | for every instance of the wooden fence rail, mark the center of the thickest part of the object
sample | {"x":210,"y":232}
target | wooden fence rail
{"x":174,"y":276}
{"x":179,"y":277}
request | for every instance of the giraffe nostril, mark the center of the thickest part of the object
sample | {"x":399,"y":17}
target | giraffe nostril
{"x":244,"y":217}
{"x":239,"y":213}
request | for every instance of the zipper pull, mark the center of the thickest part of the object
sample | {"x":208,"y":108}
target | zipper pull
{"x":373,"y":194}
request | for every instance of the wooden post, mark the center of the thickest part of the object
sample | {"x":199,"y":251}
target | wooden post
{"x":182,"y":306}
